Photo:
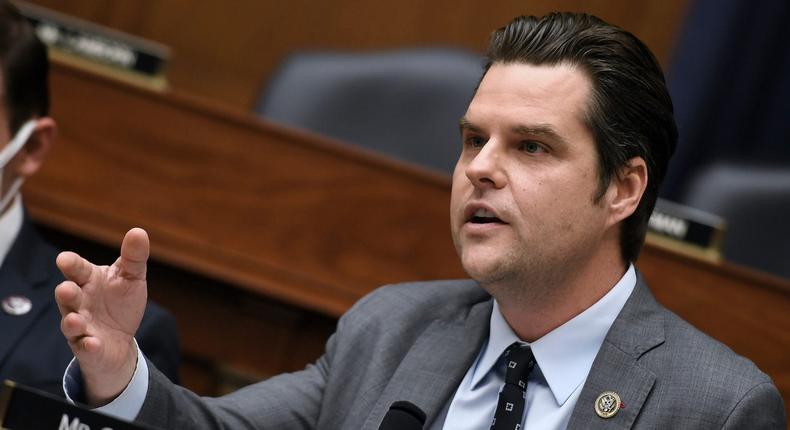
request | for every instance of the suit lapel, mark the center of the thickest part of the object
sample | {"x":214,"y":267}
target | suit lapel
{"x":638,"y":329}
{"x":431,"y":371}
{"x":27,"y":272}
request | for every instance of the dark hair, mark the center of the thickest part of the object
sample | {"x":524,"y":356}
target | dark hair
{"x":24,"y":67}
{"x":629,"y":113}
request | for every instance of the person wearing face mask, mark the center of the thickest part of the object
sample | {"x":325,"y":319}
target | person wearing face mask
{"x":32,"y":349}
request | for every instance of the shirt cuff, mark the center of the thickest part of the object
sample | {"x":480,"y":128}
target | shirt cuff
{"x":127,"y":405}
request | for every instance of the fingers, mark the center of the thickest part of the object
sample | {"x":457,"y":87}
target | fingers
{"x":74,"y":267}
{"x":74,"y":326}
{"x":86,"y":347}
{"x":90,"y":344}
{"x":134,"y":254}
{"x":68,"y":296}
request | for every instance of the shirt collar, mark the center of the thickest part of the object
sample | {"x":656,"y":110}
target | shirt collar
{"x":10,"y":225}
{"x":565,"y":354}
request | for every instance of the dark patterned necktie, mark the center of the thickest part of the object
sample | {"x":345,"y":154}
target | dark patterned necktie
{"x":510,"y":407}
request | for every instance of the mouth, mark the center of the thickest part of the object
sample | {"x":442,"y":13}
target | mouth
{"x":482,"y":215}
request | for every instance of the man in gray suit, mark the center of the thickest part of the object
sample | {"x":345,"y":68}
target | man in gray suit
{"x":564,"y":145}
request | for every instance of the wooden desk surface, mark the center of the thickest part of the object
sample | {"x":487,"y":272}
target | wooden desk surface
{"x":307,"y":221}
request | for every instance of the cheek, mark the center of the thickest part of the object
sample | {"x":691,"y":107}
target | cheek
{"x":456,"y":204}
{"x":460,"y":187}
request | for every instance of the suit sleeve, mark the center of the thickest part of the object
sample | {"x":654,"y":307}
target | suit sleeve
{"x":158,"y":339}
{"x":760,"y":409}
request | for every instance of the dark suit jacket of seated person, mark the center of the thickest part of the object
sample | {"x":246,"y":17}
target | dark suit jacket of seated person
{"x":33,"y":350}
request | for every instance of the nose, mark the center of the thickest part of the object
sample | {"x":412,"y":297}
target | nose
{"x":485,"y":170}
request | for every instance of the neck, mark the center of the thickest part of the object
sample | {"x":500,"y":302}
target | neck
{"x":546,"y":301}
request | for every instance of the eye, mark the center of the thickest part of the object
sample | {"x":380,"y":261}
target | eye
{"x":531,"y":147}
{"x":475,"y":141}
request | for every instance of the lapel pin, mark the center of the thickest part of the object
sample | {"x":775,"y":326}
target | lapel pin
{"x":17,"y":305}
{"x":607,"y":404}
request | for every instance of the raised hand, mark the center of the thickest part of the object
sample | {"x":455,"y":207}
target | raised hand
{"x":101,"y":309}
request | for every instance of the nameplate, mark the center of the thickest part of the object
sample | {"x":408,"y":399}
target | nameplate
{"x":24,"y":408}
{"x":83,"y":43}
{"x":686,"y":229}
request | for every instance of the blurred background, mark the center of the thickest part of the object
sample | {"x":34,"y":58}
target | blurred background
{"x":260,"y":124}
{"x":227,"y":51}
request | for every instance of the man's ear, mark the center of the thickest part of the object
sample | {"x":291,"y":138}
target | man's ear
{"x":37,"y":147}
{"x":626,"y":189}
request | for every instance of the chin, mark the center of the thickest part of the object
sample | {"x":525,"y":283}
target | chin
{"x":481,"y":269}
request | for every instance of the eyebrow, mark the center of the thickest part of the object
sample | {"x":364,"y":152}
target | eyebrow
{"x":464,"y":124}
{"x":544,"y":130}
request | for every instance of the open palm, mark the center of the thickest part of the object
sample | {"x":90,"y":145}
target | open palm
{"x":102,"y":307}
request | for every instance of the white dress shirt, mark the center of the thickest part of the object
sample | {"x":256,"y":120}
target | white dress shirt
{"x":563,"y":358}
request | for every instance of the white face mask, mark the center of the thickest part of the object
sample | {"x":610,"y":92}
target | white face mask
{"x":7,"y":153}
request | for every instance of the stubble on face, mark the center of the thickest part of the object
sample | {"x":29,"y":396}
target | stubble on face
{"x":537,"y":275}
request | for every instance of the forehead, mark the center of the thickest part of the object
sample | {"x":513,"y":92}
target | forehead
{"x":526,"y":94}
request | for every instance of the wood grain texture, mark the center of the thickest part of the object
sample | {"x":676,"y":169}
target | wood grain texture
{"x":306,"y":222}
{"x":226,"y":50}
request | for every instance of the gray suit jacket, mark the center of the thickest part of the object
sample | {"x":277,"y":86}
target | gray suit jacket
{"x":415,"y":342}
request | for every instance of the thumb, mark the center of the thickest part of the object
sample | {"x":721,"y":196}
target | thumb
{"x":134,"y":254}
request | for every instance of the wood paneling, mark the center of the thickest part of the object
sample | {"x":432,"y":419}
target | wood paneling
{"x":225,"y":50}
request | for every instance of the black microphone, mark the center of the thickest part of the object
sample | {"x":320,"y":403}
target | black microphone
{"x":403,"y":415}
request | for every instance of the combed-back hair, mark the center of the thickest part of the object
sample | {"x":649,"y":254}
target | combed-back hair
{"x":629,"y":113}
